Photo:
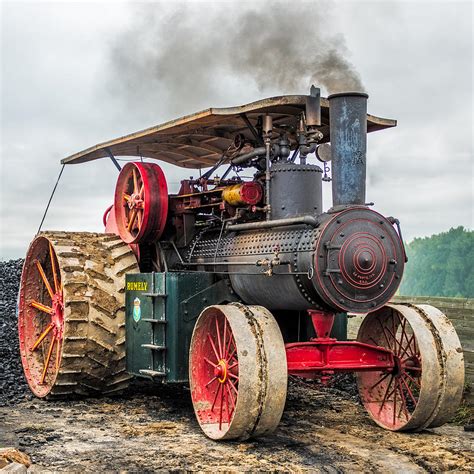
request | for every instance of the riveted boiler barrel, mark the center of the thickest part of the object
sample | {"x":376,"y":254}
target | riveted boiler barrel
{"x":353,"y":261}
{"x":295,"y":190}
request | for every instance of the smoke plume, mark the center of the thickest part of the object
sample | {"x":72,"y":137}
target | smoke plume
{"x":174,"y":59}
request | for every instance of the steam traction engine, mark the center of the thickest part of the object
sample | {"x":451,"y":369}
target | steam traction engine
{"x":234,"y":283}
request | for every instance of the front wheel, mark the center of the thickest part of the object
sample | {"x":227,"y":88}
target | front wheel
{"x":425,"y":387}
{"x":237,"y":371}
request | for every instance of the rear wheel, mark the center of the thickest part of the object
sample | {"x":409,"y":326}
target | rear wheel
{"x":71,"y":318}
{"x":237,"y":371}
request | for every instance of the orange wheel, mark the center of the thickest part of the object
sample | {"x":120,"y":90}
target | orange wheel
{"x":41,"y":317}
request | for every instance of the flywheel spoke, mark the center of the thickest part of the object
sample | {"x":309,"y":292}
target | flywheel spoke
{"x":53,"y":267}
{"x":48,"y":358}
{"x":132,"y":217}
{"x":41,"y":307}
{"x":43,"y":335}
{"x":45,"y":280}
{"x":135,"y":181}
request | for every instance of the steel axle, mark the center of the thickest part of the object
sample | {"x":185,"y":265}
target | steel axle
{"x":324,"y":354}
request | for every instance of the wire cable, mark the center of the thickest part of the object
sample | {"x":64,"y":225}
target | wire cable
{"x":50,"y":199}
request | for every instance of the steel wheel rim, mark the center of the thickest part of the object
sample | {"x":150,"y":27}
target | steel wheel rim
{"x":41,"y":317}
{"x":405,"y":398}
{"x":258,"y":367}
{"x":452,"y":360}
{"x":216,"y":372}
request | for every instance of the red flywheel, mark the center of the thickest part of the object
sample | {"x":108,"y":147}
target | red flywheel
{"x":141,"y":202}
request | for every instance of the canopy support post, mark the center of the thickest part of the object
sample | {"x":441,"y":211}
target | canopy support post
{"x":114,"y":160}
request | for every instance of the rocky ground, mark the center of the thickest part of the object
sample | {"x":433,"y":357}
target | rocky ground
{"x":324,"y":429}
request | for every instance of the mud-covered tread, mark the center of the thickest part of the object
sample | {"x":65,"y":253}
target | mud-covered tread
{"x":93,"y":268}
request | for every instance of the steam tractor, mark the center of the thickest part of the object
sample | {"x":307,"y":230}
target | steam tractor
{"x":241,"y":279}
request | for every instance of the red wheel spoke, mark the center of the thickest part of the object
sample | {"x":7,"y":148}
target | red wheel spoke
{"x":53,"y":266}
{"x":233,"y":386}
{"x":215,"y":398}
{"x":235,"y":364}
{"x":222,"y":406}
{"x":393,"y":333}
{"x":373,"y":340}
{"x":224,"y":353}
{"x":48,"y":357}
{"x":210,"y":381}
{"x":386,"y":395}
{"x":230,"y":374}
{"x":43,"y":335}
{"x":209,"y":362}
{"x":380,"y":381}
{"x":227,"y":349}
{"x":227,"y":404}
{"x":404,"y":403}
{"x":232,"y":399}
{"x":395,"y":404}
{"x":232,"y":354}
{"x":142,"y":189}
{"x":404,"y":333}
{"x":45,"y":280}
{"x":415,"y":401}
{"x":213,"y":347}
{"x":219,"y":345}
{"x":41,"y":307}
{"x":413,"y":380}
{"x":383,"y":331}
{"x":406,"y":348}
{"x":397,"y":343}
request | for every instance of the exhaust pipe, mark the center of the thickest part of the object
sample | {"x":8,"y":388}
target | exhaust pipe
{"x":348,"y":130}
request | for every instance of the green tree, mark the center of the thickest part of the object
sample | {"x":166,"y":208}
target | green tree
{"x":440,"y":265}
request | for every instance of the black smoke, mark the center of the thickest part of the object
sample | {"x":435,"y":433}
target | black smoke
{"x":173,"y":59}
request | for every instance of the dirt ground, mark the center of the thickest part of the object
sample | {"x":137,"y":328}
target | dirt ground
{"x":322,"y":430}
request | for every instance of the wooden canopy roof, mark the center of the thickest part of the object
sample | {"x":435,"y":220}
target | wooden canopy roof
{"x":200,"y":139}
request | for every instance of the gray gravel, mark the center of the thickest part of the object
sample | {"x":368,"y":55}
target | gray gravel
{"x":13,"y":386}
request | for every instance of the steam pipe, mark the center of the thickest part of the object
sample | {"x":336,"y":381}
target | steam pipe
{"x":348,"y":130}
{"x":308,"y":220}
{"x":248,"y":156}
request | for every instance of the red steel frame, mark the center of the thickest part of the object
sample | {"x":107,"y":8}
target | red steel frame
{"x":324,"y":355}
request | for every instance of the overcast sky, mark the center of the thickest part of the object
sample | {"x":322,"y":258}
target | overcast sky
{"x":70,"y":78}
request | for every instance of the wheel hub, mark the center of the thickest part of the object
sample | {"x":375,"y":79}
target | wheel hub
{"x":135,"y":202}
{"x":220,"y":371}
{"x":57,"y":316}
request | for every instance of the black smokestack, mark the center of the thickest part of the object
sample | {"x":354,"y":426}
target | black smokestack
{"x":348,"y":129}
{"x":178,"y":60}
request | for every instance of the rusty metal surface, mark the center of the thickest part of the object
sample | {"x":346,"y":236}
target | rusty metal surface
{"x":198,"y":140}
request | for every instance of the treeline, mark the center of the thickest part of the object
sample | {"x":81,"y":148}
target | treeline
{"x":440,"y":265}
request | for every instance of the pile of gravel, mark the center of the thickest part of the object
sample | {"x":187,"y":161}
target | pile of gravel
{"x":13,"y":386}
